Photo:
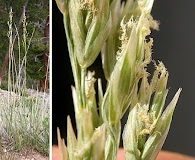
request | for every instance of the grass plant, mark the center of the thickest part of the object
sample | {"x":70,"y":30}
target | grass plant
{"x":120,"y":32}
{"x":24,"y":118}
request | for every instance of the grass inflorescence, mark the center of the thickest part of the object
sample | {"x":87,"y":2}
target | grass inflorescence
{"x":120,"y":31}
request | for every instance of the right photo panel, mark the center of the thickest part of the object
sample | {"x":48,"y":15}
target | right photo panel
{"x":122,"y":80}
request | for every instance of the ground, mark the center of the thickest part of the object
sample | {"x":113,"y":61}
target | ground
{"x":25,"y":154}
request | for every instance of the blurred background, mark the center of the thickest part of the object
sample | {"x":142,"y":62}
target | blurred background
{"x":174,"y":44}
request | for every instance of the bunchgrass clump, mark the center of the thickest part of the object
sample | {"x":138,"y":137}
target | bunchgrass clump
{"x":24,"y":118}
{"x":120,"y":31}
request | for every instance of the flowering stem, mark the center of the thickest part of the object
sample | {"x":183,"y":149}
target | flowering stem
{"x":82,"y":89}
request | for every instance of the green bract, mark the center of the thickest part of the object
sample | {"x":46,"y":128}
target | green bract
{"x":88,"y":25}
{"x":120,"y":31}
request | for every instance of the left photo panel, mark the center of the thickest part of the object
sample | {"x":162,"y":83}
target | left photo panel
{"x":24,"y":80}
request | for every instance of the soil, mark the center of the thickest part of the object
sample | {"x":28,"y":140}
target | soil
{"x":25,"y":154}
